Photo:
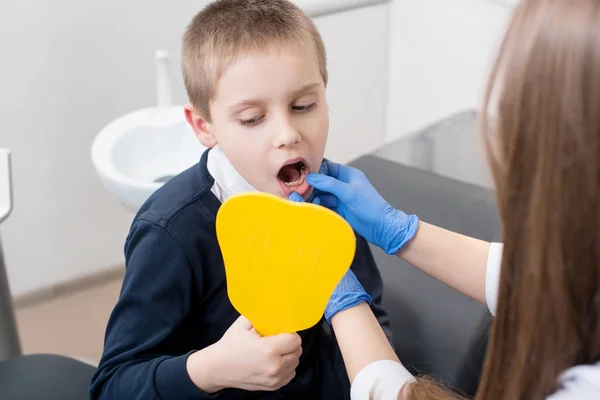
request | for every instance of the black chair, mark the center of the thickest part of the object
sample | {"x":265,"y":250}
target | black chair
{"x":437,"y":331}
{"x":44,"y":377}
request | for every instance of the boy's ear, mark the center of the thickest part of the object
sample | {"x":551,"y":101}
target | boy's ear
{"x":200,"y":126}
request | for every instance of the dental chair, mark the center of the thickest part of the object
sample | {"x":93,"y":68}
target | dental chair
{"x":40,"y":376}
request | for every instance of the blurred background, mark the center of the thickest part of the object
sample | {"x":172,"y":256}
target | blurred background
{"x":70,"y":67}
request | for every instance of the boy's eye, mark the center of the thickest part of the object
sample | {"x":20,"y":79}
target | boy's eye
{"x":304,"y":108}
{"x":251,"y":121}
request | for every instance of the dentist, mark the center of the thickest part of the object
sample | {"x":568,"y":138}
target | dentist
{"x":543,"y":283}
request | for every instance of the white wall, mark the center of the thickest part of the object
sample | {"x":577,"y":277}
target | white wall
{"x":440,"y":54}
{"x":357,"y":50}
{"x":68,"y":67}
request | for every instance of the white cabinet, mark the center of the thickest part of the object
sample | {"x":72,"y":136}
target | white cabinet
{"x":317,"y":8}
{"x":440,"y":54}
{"x":357,"y":48}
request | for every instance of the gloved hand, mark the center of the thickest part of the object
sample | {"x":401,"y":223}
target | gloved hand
{"x":348,"y":292}
{"x":348,"y":192}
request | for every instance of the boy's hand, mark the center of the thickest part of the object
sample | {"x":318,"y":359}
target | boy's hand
{"x":244,"y":359}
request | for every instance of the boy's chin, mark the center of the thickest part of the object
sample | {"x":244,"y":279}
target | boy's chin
{"x":308,"y":197}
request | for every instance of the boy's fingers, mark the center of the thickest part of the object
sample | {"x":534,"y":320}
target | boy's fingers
{"x":242,"y":323}
{"x":285,"y":343}
{"x":291,"y":360}
{"x":286,"y":376}
{"x":296,"y":353}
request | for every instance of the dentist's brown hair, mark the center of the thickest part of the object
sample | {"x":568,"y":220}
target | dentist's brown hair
{"x":543,"y":137}
{"x":541,"y":121}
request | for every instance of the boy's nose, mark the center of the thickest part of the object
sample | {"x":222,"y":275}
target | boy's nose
{"x":286,"y":136}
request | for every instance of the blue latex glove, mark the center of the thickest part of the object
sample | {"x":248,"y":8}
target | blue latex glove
{"x":348,"y":292}
{"x":296,"y":198}
{"x":348,"y":192}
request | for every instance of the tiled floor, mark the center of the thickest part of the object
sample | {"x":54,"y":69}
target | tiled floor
{"x":72,"y":325}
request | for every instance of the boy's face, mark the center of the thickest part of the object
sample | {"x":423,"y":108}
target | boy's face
{"x":270,"y":117}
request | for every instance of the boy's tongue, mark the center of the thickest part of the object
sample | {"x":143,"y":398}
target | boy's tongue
{"x":292,"y":179}
{"x":289,"y":173}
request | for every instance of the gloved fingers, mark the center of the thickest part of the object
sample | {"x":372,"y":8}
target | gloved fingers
{"x":295,"y":197}
{"x":328,"y":201}
{"x":316,"y":199}
{"x":341,"y":172}
{"x":330,"y":185}
{"x":324,"y":169}
{"x":330,"y":168}
{"x":317,"y":193}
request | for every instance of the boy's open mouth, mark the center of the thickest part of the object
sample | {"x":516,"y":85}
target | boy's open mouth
{"x":293,"y":175}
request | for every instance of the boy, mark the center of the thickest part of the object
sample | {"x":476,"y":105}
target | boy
{"x":255,"y":72}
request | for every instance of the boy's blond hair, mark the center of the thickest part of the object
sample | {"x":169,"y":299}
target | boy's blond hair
{"x":226,"y":29}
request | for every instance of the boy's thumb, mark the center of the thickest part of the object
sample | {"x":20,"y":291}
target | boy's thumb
{"x":242,"y":323}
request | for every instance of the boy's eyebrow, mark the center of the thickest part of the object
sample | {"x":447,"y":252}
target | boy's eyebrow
{"x":305,"y":88}
{"x":258,"y":102}
{"x":245,"y":103}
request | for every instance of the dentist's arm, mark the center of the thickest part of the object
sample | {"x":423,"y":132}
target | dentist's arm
{"x":372,"y":365}
{"x":456,"y":260}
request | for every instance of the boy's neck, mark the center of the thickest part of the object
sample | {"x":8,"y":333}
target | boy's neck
{"x":228,"y":181}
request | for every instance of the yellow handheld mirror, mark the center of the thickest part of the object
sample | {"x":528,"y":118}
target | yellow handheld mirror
{"x":282,"y":259}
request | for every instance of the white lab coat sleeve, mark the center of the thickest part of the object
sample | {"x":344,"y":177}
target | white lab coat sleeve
{"x":579,"y":383}
{"x":492,"y":275}
{"x":381,"y":379}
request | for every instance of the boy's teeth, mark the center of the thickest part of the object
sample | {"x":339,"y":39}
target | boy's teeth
{"x":297,"y":182}
{"x":293,"y":184}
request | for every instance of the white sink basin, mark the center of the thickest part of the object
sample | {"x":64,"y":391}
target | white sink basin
{"x":137,"y":153}
{"x":5,"y":184}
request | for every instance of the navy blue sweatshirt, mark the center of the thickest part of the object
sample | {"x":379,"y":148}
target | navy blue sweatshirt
{"x":174,"y":302}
